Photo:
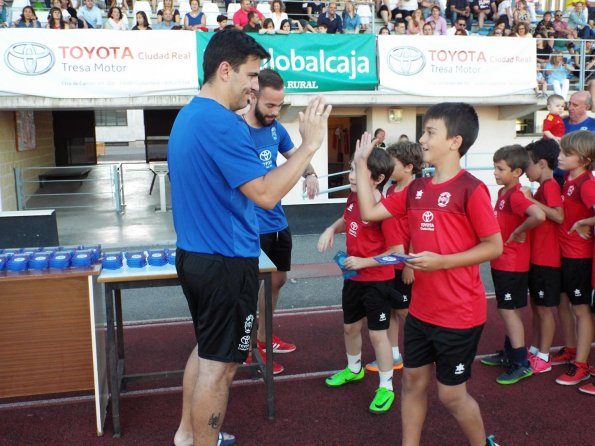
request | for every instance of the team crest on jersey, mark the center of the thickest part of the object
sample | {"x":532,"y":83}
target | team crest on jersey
{"x":353,"y":228}
{"x":427,"y":219}
{"x":443,"y":199}
{"x":570,"y":191}
{"x":501,"y":204}
{"x":274,"y":133}
{"x":419,"y":194}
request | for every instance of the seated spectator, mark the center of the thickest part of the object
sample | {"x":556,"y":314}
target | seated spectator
{"x":460,"y":10}
{"x":70,"y":15}
{"x":222,"y":22}
{"x":384,"y":31}
{"x":253,"y":25}
{"x":504,"y":13}
{"x":311,"y":10}
{"x":400,"y":27}
{"x":364,"y":11}
{"x":28,"y":19}
{"x":521,"y":13}
{"x":385,"y":10}
{"x":546,"y":26}
{"x":277,"y":13}
{"x":427,"y":5}
{"x":91,"y":14}
{"x":115,"y":20}
{"x":351,"y":21}
{"x":122,"y":4}
{"x":167,"y":21}
{"x":578,"y":22}
{"x":142,"y":23}
{"x":521,"y":29}
{"x":541,"y":88}
{"x":331,"y":19}
{"x":428,"y":29}
{"x":169,"y":5}
{"x":55,"y":19}
{"x":557,"y":72}
{"x":484,"y":10}
{"x":65,"y":13}
{"x":415,"y":23}
{"x":591,"y":16}
{"x":240,"y":18}
{"x":499,"y":29}
{"x":544,"y":48}
{"x":438,"y":22}
{"x":290,"y":27}
{"x":3,"y":15}
{"x":404,"y":9}
{"x":195,"y":20}
{"x":561,"y":27}
{"x":322,"y":28}
{"x":268,"y":27}
{"x":458,"y":24}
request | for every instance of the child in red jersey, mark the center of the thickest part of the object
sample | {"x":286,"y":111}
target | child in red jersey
{"x":408,"y":159}
{"x":553,"y":126}
{"x":544,"y":271}
{"x":453,"y":229}
{"x":510,"y":272}
{"x":576,"y":158}
{"x":368,"y":294}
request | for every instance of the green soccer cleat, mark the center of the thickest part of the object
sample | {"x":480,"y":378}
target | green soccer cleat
{"x":498,"y":359}
{"x":514,"y":374}
{"x":344,"y":377}
{"x":383,"y":400}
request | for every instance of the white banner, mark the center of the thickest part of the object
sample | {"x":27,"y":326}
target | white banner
{"x":97,"y":63}
{"x":456,"y":65}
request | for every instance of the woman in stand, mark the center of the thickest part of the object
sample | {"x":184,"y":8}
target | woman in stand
{"x":557,"y":72}
{"x":115,"y":20}
{"x":351,"y":20}
{"x":416,"y":23}
{"x":195,"y":20}
{"x":28,"y":19}
{"x":169,"y":5}
{"x":142,"y":23}
{"x":55,"y":19}
{"x":277,"y":14}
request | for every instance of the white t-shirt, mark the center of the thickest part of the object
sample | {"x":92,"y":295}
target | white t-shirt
{"x":408,"y":5}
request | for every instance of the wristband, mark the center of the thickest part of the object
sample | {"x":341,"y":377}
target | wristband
{"x":306,"y":175}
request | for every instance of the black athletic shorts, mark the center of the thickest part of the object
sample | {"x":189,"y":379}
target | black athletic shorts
{"x":576,"y":280}
{"x":222,"y":293}
{"x":453,"y":350}
{"x":277,"y":246}
{"x":544,"y":285}
{"x":510,"y":288}
{"x":402,"y":298}
{"x":367,"y":299}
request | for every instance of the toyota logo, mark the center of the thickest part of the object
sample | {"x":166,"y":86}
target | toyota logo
{"x":29,"y":58}
{"x":427,"y":217}
{"x":406,"y":60}
{"x":265,"y":155}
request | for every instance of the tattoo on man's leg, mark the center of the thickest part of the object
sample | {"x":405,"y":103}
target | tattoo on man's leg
{"x":214,"y":421}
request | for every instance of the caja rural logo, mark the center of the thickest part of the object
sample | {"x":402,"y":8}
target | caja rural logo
{"x":29,"y":58}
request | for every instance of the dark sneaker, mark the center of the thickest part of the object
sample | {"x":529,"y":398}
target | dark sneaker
{"x":514,"y":374}
{"x":343,"y":377}
{"x":498,"y":359}
{"x":573,"y":375}
{"x":383,"y":400}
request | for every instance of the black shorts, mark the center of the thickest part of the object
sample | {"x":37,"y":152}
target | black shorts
{"x":576,"y":280}
{"x":402,"y":298}
{"x":277,"y":246}
{"x":510,"y":288}
{"x":403,"y":12}
{"x":544,"y":285}
{"x":367,"y":299}
{"x":222,"y":293}
{"x":453,"y":350}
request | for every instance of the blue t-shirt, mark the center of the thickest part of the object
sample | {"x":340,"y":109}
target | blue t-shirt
{"x":210,"y":155}
{"x":587,"y":124}
{"x":270,"y":141}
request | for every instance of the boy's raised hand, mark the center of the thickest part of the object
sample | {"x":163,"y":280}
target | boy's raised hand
{"x":364,"y":146}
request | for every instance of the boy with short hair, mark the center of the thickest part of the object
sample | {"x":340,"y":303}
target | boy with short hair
{"x":368,"y":293}
{"x":408,"y":159}
{"x":544,"y":268}
{"x":222,"y":22}
{"x":553,"y":126}
{"x":510,"y":272}
{"x":453,"y":229}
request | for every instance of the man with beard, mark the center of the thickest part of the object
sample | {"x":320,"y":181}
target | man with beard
{"x":271,"y":138}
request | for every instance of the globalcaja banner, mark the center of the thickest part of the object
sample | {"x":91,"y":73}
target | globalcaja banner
{"x":456,"y":66}
{"x":312,"y":63}
{"x":97,"y":64}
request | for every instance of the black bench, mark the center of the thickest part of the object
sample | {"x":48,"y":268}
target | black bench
{"x":64,"y":174}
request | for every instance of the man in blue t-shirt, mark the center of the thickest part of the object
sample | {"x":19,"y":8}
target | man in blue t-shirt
{"x":271,"y":138}
{"x":215,"y":183}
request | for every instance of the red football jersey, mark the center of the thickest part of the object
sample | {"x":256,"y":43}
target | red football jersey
{"x":365,"y":239}
{"x":545,"y":246}
{"x":510,"y":211}
{"x":393,"y":228}
{"x":578,"y":197}
{"x":448,"y":218}
{"x":554,"y":124}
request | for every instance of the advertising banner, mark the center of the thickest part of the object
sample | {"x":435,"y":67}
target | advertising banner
{"x":456,"y":66}
{"x":311,"y":63}
{"x":97,"y":64}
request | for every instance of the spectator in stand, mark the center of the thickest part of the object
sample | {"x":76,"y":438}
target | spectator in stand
{"x":55,"y":19}
{"x":71,"y":16}
{"x":546,"y":26}
{"x":122,"y":4}
{"x":311,"y":11}
{"x":331,"y":19}
{"x":167,"y":21}
{"x":541,"y":89}
{"x":3,"y":15}
{"x":544,"y":48}
{"x":195,"y":20}
{"x":578,"y":119}
{"x":521,"y":13}
{"x":416,"y":21}
{"x":351,"y":20}
{"x":277,"y":13}
{"x":521,"y":29}
{"x":168,"y":5}
{"x":427,"y":5}
{"x":142,"y":23}
{"x":504,"y":13}
{"x":561,"y":27}
{"x":498,"y":30}
{"x":268,"y":27}
{"x":322,"y":28}
{"x":400,"y":27}
{"x":460,"y":10}
{"x":557,"y":72}
{"x":379,"y":135}
{"x":404,"y":9}
{"x":484,"y":10}
{"x":253,"y":25}
{"x":115,"y":20}
{"x":591,"y":12}
{"x":428,"y":29}
{"x":578,"y":22}
{"x":384,"y":31}
{"x":437,"y":21}
{"x":91,"y":14}
{"x":385,"y":9}
{"x":65,"y":13}
{"x":240,"y":18}
{"x":28,"y":19}
{"x":459,"y":24}
{"x":222,"y":22}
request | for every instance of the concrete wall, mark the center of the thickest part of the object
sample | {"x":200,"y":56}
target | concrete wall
{"x":42,"y":155}
{"x":133,"y":133}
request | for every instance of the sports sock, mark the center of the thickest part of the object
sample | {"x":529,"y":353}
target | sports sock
{"x":533,"y":350}
{"x":519,"y":356}
{"x":507,"y":347}
{"x":354,"y":362}
{"x":396,"y":353}
{"x":543,"y":356}
{"x":386,"y":379}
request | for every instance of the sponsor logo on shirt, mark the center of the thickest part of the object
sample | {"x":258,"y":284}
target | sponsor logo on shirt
{"x":570,"y":191}
{"x":266,"y":158}
{"x":419,"y":194}
{"x":244,"y":343}
{"x":350,"y":207}
{"x":443,"y":199}
{"x":248,"y":324}
{"x":353,"y":228}
{"x":427,"y":219}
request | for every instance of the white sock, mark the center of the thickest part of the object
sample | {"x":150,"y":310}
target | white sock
{"x":386,"y":379}
{"x":533,"y":350}
{"x":354,"y":362}
{"x":396,"y":353}
{"x":544,"y":356}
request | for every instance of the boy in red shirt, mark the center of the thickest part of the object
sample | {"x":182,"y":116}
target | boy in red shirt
{"x":408,"y":159}
{"x":576,"y":158}
{"x":510,"y":272}
{"x":544,"y":270}
{"x":453,"y":229}
{"x":553,"y":126}
{"x":368,"y":294}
